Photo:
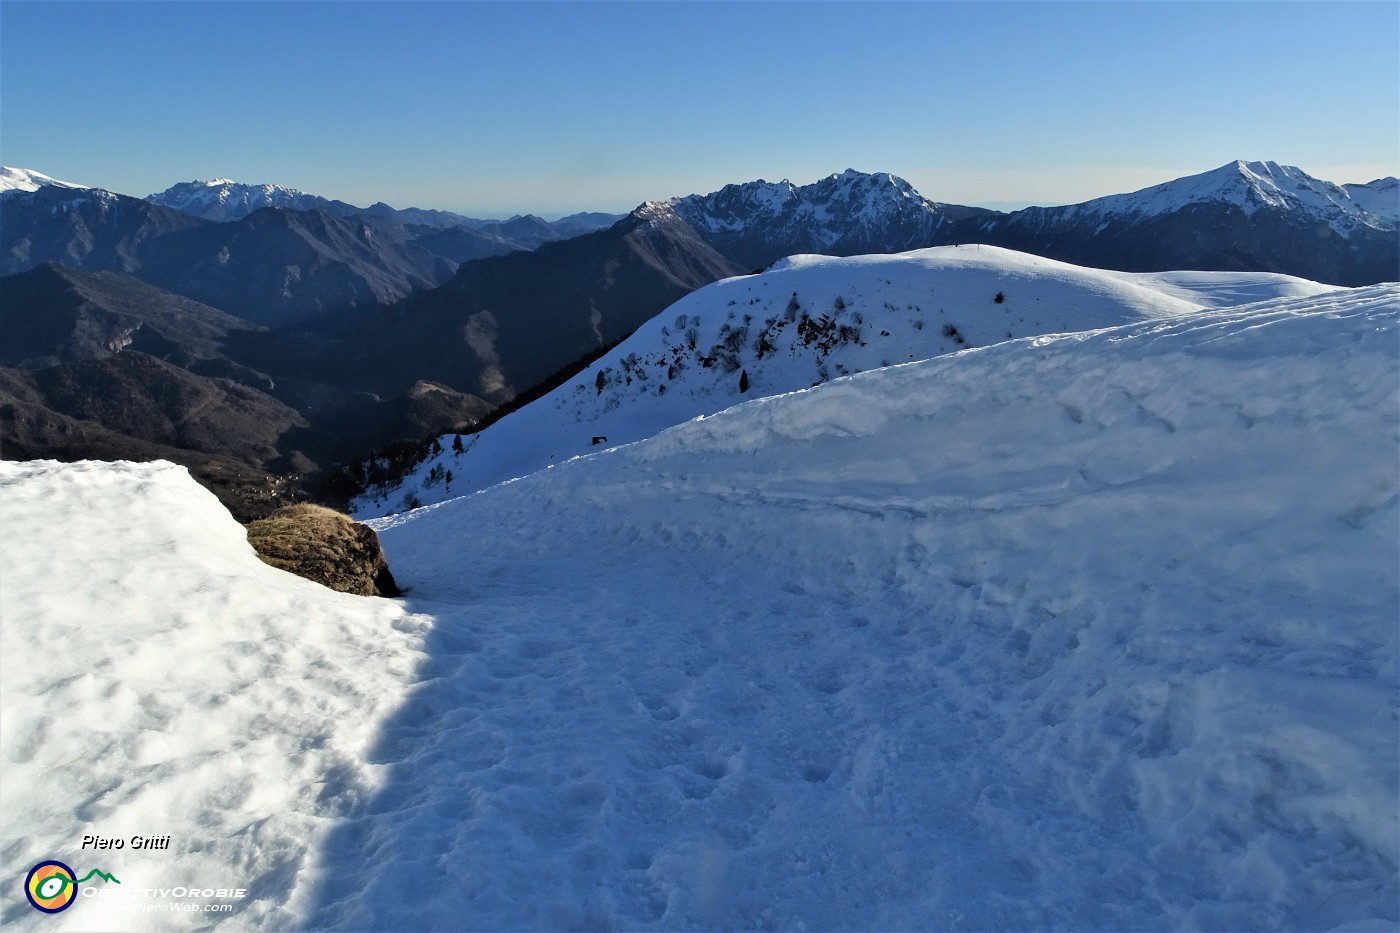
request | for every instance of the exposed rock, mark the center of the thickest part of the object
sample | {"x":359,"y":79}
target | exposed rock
{"x":325,"y":546}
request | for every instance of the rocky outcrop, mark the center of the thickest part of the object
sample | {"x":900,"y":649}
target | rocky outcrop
{"x":324,"y":546}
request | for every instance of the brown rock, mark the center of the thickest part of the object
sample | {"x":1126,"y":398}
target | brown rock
{"x":325,"y":546}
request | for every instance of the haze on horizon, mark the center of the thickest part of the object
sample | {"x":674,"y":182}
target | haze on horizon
{"x":491,"y":109}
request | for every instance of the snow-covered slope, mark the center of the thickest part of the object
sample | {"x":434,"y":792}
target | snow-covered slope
{"x":23,"y":179}
{"x":1089,"y":632}
{"x":1248,"y":186}
{"x":157,"y":679}
{"x":1084,"y":632}
{"x":1380,"y":198}
{"x":807,"y":320}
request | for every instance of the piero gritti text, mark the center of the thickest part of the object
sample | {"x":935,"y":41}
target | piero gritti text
{"x":142,"y":843}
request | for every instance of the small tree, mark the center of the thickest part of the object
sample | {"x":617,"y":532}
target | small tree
{"x":743,"y":381}
{"x":1001,"y":296}
{"x":457,"y":447}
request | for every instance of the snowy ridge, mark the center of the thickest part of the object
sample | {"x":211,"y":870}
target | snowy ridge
{"x":1249,"y":186}
{"x":807,"y":320}
{"x":23,"y":179}
{"x":222,"y":199}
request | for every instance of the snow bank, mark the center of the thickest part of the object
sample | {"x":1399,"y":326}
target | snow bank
{"x":157,"y":679}
{"x":1084,"y":632}
{"x":860,"y":313}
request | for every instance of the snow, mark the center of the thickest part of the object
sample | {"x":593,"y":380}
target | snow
{"x":1079,"y":631}
{"x":1380,"y":198}
{"x":23,"y":179}
{"x":223,"y":199}
{"x":1250,"y":186}
{"x":826,"y":210}
{"x":900,"y":305}
{"x":1067,"y":633}
{"x":158,"y":679}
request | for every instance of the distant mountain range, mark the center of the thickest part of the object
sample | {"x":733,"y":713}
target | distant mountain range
{"x":270,"y":254}
{"x":276,"y":255}
{"x":223,"y":200}
{"x":528,"y":314}
{"x":1244,"y":216}
{"x":371,"y":326}
{"x":272,"y":266}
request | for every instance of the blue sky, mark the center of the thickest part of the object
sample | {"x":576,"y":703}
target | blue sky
{"x":496,"y":108}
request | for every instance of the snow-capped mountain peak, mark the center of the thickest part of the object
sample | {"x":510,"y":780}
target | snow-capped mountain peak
{"x":851,"y":197}
{"x":24,"y":179}
{"x":1250,"y":186}
{"x":844,"y":214}
{"x":224,"y":199}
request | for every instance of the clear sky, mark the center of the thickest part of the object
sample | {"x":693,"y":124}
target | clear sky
{"x":497,"y":108}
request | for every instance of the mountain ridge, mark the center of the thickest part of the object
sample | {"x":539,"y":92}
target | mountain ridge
{"x":849,"y":213}
{"x":223,"y":199}
{"x":805,"y":321}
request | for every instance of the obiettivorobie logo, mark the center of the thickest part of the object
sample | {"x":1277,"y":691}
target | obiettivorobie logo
{"x":52,"y":886}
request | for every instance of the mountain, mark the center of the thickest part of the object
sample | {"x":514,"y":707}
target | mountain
{"x":805,"y":321}
{"x":1257,"y":216}
{"x":97,"y":365}
{"x":87,"y":229}
{"x":417,"y":216}
{"x":132,"y":406}
{"x":102,"y":365}
{"x":23,"y":179}
{"x":137,"y":395}
{"x":223,"y":199}
{"x":480,"y":239}
{"x":584,"y":222}
{"x":276,"y":266}
{"x":842,"y":215}
{"x":1379,"y":198}
{"x":272,"y":266}
{"x":53,"y":314}
{"x":269,"y":254}
{"x":1244,"y":216}
{"x":1085,"y":632}
{"x":505,"y":323}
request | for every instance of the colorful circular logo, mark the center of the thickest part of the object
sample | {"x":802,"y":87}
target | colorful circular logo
{"x":51,"y":886}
